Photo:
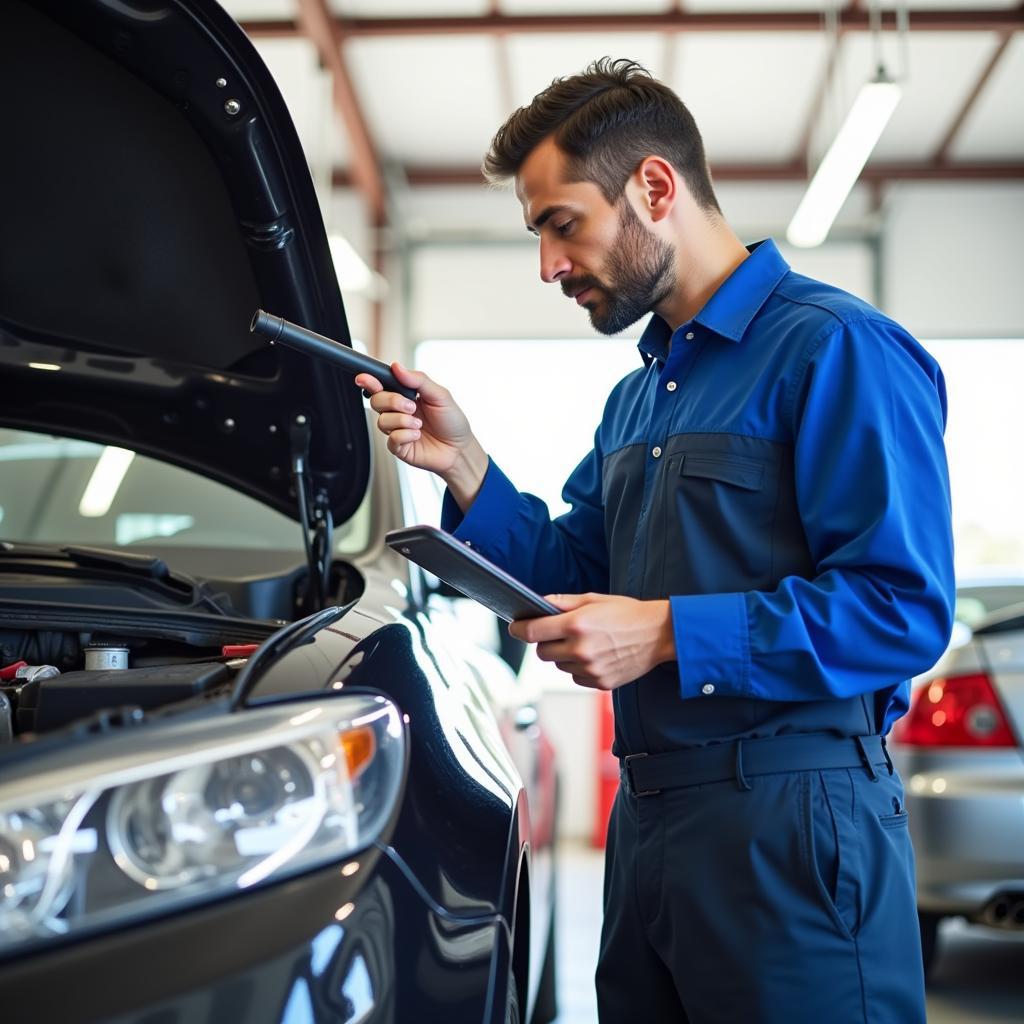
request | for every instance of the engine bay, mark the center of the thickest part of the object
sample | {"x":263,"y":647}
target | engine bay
{"x":52,"y":686}
{"x":94,"y":639}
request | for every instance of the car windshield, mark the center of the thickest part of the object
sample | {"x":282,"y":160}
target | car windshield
{"x":58,"y":490}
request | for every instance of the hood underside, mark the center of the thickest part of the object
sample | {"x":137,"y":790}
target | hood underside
{"x":156,"y":194}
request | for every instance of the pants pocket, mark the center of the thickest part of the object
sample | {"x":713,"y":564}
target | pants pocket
{"x":894,"y":820}
{"x":830,"y":847}
{"x":898,"y":818}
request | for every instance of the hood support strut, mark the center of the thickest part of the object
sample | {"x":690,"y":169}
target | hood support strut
{"x":315,"y":519}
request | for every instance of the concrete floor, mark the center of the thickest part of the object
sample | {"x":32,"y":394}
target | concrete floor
{"x":978,"y":979}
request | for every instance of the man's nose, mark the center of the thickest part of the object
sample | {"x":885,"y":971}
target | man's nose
{"x":554,"y":264}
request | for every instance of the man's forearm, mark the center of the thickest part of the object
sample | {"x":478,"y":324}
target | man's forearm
{"x":466,"y":477}
{"x":665,"y":645}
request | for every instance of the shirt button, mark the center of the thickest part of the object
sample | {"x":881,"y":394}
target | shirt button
{"x":689,"y":335}
{"x":671,"y":386}
{"x":656,"y":452}
{"x":708,"y":689}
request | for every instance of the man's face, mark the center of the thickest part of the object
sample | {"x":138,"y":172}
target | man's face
{"x":600,"y":254}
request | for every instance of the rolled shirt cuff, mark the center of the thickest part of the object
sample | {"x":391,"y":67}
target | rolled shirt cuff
{"x":488,"y":523}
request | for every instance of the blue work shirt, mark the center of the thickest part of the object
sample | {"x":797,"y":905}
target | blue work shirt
{"x":775,"y":469}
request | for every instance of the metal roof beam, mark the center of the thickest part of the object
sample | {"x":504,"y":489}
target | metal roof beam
{"x":851,"y":19}
{"x":797,"y":172}
{"x":326,"y":33}
{"x":942,"y":153}
{"x":803,"y":150}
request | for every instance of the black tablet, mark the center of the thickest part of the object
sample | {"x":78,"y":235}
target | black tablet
{"x":471,"y":574}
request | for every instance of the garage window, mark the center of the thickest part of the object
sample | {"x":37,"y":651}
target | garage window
{"x":535,"y":406}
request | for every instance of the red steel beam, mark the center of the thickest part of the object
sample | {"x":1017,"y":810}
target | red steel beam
{"x":942,"y":153}
{"x":943,"y":172}
{"x":851,"y":19}
{"x":271,"y":29}
{"x":325,"y":31}
{"x":797,"y":171}
{"x":803,"y":147}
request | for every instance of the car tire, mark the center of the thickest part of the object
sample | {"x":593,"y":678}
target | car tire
{"x":545,"y":1009}
{"x":513,"y":1014}
{"x":929,"y":923}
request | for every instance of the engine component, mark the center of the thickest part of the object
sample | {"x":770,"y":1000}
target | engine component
{"x":36,"y":673}
{"x":6,"y":719}
{"x":51,"y":703}
{"x":101,"y":657}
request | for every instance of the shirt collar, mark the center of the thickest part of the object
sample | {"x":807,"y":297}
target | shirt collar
{"x":733,"y":306}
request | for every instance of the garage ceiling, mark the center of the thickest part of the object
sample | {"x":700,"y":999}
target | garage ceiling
{"x":396,"y":101}
{"x":767,"y":80}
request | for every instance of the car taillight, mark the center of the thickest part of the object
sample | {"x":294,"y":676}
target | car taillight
{"x":962,"y":711}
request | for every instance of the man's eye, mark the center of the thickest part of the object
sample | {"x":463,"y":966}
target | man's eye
{"x":565,"y":228}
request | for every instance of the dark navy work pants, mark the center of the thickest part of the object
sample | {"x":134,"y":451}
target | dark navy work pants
{"x":789,"y":902}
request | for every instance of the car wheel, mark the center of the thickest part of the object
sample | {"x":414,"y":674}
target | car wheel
{"x":512,"y":1013}
{"x":929,"y":923}
{"x":546,"y":1008}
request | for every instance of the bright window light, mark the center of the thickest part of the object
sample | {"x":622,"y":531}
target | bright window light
{"x":987,"y":478}
{"x":838,"y":171}
{"x":134,"y":526}
{"x":510,"y":392}
{"x":354,"y":276}
{"x":540,"y":448}
{"x":105,"y":480}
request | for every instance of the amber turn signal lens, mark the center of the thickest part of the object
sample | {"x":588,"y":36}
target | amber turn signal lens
{"x":358,"y":747}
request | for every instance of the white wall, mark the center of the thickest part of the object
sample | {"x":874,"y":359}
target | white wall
{"x":345,"y":214}
{"x":486,"y":290}
{"x":952,"y":259}
{"x":950,"y":262}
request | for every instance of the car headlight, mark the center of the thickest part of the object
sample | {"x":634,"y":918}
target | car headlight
{"x":112,"y":829}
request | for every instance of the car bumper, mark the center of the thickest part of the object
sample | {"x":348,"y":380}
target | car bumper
{"x":967,"y":823}
{"x":323,"y":947}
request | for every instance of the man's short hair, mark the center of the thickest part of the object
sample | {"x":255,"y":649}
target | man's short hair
{"x":606,"y":120}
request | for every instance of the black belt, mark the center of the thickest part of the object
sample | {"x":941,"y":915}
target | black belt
{"x":647,"y":774}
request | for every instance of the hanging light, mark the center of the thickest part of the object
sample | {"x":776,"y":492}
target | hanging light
{"x":105,"y":481}
{"x":853,"y":145}
{"x":354,"y":276}
{"x":841,"y":166}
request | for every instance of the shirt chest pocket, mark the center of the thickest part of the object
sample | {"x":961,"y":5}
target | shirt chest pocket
{"x":720,"y":517}
{"x":746,"y":474}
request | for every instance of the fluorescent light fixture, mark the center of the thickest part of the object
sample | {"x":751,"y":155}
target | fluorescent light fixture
{"x":838,"y":171}
{"x":105,"y":480}
{"x":45,"y":366}
{"x":354,"y":276}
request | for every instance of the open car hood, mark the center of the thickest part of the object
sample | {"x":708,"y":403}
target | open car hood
{"x":155,"y":194}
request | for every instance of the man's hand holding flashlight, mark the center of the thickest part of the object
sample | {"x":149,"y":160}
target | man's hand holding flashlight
{"x":431,"y":433}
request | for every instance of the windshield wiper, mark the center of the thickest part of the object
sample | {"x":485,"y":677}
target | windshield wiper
{"x":145,"y":569}
{"x":103,"y":558}
{"x":88,"y":557}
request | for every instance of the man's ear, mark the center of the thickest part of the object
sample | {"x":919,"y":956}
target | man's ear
{"x":659,"y":186}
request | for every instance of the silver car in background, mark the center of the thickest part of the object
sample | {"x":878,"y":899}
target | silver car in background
{"x":979,"y":596}
{"x":959,"y":750}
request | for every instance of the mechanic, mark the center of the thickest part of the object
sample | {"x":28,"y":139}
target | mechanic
{"x":757,"y":557}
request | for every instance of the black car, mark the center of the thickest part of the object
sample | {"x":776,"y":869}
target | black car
{"x":253,"y":767}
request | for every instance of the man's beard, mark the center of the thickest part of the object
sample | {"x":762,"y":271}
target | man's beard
{"x":641,"y":270}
